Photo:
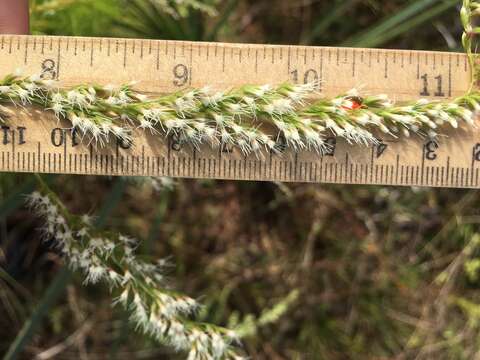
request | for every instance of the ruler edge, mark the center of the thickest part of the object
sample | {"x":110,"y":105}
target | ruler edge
{"x":220,"y":178}
{"x":61,"y":38}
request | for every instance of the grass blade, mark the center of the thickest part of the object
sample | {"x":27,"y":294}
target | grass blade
{"x":225,"y":16}
{"x":326,"y":21}
{"x":414,"y":22}
{"x":53,"y":292}
{"x":370,"y":37}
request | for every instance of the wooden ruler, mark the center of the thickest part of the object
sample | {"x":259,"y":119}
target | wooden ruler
{"x":36,"y":142}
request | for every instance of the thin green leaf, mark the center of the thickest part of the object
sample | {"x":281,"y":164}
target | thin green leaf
{"x":414,"y":8}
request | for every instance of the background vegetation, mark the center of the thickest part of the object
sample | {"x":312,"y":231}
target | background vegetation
{"x":310,"y":271}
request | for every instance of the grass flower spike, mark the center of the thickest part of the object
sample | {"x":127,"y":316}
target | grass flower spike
{"x":250,"y":118}
{"x":106,"y":257}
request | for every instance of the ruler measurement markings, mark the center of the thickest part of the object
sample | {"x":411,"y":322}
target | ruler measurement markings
{"x":223,"y":58}
{"x":75,"y":47}
{"x":190,"y":74}
{"x":449,"y":76}
{"x":125,"y":54}
{"x":107,"y":164}
{"x":386,"y":66}
{"x":354,"y":63}
{"x":25,"y":57}
{"x":92,"y":49}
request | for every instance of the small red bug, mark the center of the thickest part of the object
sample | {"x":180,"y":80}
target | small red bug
{"x":355,"y":103}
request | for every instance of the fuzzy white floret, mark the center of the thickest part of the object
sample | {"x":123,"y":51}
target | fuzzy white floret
{"x":467,"y":115}
{"x":76,"y":98}
{"x":5,"y":89}
{"x":282,"y":106}
{"x":24,"y":95}
{"x":95,"y":274}
{"x":219,"y":119}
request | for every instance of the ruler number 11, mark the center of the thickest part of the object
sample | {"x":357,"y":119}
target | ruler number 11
{"x":425,"y":91}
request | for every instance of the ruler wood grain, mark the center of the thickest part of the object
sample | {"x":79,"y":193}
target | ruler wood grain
{"x":33,"y":141}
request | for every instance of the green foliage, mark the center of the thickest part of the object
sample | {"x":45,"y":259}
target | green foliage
{"x":161,"y":19}
{"x":74,"y":17}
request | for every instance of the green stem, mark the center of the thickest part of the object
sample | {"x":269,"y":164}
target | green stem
{"x":29,"y":328}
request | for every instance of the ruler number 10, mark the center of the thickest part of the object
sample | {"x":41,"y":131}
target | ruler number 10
{"x":310,"y":76}
{"x":425,"y":91}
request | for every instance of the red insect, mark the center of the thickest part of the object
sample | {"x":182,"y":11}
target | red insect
{"x":353,"y":103}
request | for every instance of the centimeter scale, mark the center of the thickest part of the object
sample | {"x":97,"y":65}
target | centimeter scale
{"x":34,"y":141}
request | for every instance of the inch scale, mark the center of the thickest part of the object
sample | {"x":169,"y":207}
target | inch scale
{"x":36,"y":142}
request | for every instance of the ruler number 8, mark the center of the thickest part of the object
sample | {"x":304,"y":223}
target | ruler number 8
{"x":181,"y":74}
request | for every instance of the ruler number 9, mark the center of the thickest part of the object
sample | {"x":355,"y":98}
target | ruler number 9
{"x":310,"y":76}
{"x":49,"y":69}
{"x":181,"y":74}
